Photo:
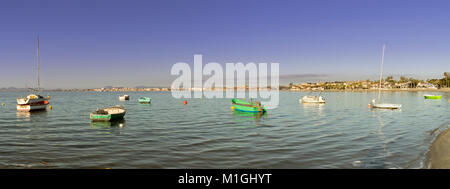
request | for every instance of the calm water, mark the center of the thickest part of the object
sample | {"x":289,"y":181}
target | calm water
{"x":343,"y":133}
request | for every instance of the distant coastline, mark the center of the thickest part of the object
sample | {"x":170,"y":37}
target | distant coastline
{"x":387,"y":85}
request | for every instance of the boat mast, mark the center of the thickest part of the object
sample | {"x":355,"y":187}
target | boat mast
{"x":38,"y":62}
{"x":381,"y":73}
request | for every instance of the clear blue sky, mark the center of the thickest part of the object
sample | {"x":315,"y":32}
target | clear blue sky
{"x":93,"y":43}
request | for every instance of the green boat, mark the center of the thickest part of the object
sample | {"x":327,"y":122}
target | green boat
{"x":145,"y":100}
{"x":244,"y":106}
{"x":108,"y":114}
{"x":433,"y":97}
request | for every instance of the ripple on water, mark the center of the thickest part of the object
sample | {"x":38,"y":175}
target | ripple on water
{"x":343,"y":133}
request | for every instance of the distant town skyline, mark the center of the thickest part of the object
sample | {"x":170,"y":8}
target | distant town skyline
{"x":92,"y":44}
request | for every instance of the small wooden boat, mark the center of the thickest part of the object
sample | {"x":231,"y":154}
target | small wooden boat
{"x":124,"y":97}
{"x":145,"y":100}
{"x":312,"y":99}
{"x":436,"y":97}
{"x":244,"y":106}
{"x":108,"y":114}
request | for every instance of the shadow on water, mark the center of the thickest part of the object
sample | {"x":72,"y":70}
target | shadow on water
{"x":107,"y":124}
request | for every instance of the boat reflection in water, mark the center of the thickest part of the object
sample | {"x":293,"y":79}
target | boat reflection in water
{"x":385,"y":110}
{"x":145,"y":104}
{"x":314,"y":108}
{"x":249,"y":116}
{"x":107,"y":124}
{"x":30,"y":116}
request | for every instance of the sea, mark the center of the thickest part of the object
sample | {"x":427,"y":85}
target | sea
{"x":205,"y":133}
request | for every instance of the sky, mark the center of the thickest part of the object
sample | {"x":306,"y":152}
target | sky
{"x":96,"y":43}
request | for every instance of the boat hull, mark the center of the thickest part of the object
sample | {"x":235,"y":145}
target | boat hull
{"x":145,"y":100}
{"x":432,"y":97}
{"x":124,"y":97}
{"x":109,"y":117}
{"x":108,"y":114}
{"x":29,"y":108}
{"x":312,"y":99}
{"x":243,"y":106}
{"x":247,"y":109}
{"x":387,"y":106}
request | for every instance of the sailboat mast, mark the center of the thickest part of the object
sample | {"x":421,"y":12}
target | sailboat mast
{"x":381,"y":73}
{"x":38,"y":68}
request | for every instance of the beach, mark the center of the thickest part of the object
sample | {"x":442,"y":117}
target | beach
{"x":439,"y":155}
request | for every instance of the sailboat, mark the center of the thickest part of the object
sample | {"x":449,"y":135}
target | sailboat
{"x":373,"y":103}
{"x":33,"y":102}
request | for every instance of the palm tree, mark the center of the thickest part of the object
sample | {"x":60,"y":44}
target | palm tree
{"x":446,"y":78}
{"x":390,"y":80}
{"x":403,"y":79}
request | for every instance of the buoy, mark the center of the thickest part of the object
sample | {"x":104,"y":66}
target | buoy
{"x":243,"y":99}
{"x":368,"y":105}
{"x":50,"y":107}
{"x":232,"y":108}
{"x":48,"y":97}
{"x":3,"y":104}
{"x":185,"y":102}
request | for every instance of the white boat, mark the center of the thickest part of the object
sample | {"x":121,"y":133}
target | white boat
{"x":124,"y":97}
{"x":33,"y":102}
{"x":373,"y":103}
{"x":312,"y":99}
{"x":29,"y":108}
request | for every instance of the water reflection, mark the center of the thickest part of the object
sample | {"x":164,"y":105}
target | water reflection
{"x":314,"y":108}
{"x":23,"y":115}
{"x":107,"y":124}
{"x":378,"y":154}
{"x":385,"y":110}
{"x":249,"y":116}
{"x":30,"y":116}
